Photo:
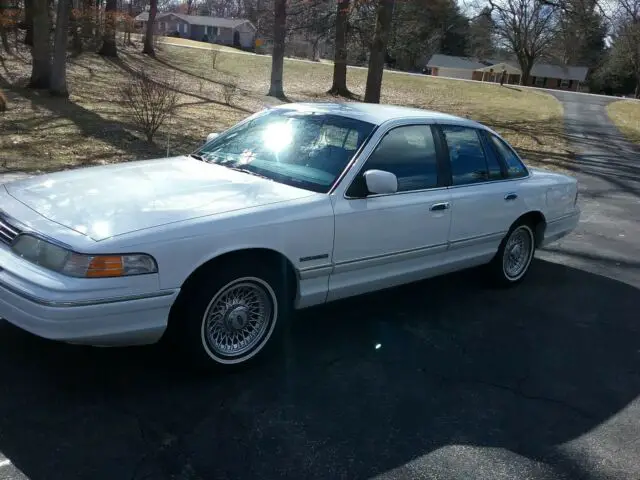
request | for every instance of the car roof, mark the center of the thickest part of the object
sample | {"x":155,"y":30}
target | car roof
{"x":376,"y":114}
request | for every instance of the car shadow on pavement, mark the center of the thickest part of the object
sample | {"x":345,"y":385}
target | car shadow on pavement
{"x":418,"y":374}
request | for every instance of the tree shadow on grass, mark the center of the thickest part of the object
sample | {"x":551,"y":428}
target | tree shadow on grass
{"x":91,"y":126}
{"x":439,"y":377}
{"x":131,"y":70}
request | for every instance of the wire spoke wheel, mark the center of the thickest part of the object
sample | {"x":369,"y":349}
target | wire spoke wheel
{"x":239,"y":320}
{"x":518,"y":252}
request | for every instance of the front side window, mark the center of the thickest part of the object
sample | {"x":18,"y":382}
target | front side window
{"x":410,"y":154}
{"x":515,"y":168}
{"x":466,"y":155}
{"x":303,"y":149}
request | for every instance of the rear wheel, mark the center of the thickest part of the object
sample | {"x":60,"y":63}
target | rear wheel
{"x":513,"y":259}
{"x":231,"y":315}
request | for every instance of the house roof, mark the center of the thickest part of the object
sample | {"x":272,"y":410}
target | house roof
{"x":563,"y":72}
{"x":499,"y":67}
{"x":198,"y":19}
{"x":447,"y":61}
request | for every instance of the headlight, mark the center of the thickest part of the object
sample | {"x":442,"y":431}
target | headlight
{"x":61,"y":260}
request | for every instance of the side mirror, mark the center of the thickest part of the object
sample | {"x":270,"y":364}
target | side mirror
{"x":380,"y":182}
{"x":211,"y":136}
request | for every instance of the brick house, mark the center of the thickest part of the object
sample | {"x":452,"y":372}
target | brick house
{"x":238,"y":32}
{"x":543,"y":75}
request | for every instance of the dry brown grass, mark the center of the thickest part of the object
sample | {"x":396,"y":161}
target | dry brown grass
{"x":626,"y":116}
{"x":92,"y":127}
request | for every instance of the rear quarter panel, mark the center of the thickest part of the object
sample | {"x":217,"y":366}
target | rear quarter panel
{"x":559,"y":192}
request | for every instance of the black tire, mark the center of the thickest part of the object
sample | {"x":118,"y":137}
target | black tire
{"x":499,"y":273}
{"x":188,"y":327}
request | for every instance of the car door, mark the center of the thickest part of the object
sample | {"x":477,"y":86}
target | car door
{"x":484,"y":203}
{"x":386,"y":240}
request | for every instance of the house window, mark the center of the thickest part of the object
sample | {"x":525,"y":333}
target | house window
{"x":539,"y":81}
{"x":565,"y":83}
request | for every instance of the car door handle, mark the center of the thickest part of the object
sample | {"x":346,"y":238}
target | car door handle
{"x":511,"y":196}
{"x":439,"y":206}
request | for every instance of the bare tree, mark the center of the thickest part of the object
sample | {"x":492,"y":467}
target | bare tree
{"x":58,"y":86}
{"x":149,"y":102}
{"x":277,"y":57}
{"x":6,"y":21}
{"x":109,"y":47}
{"x":148,"y":38}
{"x":628,"y":38}
{"x":87,"y":19}
{"x":28,"y":21}
{"x":481,"y":31}
{"x":339,"y":86}
{"x":41,"y":50}
{"x":378,"y":51}
{"x":75,"y":29}
{"x":527,"y":27}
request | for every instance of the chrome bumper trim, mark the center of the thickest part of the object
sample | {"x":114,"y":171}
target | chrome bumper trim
{"x":85,"y":303}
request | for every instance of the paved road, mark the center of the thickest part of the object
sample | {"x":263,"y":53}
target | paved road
{"x":445,"y":379}
{"x":608,"y":169}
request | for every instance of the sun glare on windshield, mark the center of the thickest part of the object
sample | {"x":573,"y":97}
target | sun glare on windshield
{"x":278,"y":136}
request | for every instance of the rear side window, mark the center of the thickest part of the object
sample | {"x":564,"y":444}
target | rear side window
{"x":466,"y":155}
{"x":515,"y":168}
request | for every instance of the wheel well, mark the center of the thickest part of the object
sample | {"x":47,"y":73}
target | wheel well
{"x":537,"y":221}
{"x":263,"y":255}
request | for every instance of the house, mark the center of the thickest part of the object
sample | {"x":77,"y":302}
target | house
{"x":556,"y":76}
{"x":238,"y":32}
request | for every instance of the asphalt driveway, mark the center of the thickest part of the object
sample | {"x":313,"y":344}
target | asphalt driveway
{"x":442,"y":379}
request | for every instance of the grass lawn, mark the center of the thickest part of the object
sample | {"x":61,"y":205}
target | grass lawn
{"x":40,"y":133}
{"x":626,"y":116}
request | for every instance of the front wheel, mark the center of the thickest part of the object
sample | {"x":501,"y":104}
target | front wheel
{"x":513,"y":259}
{"x":230,"y":316}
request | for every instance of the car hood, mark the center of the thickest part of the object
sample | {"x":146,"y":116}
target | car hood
{"x":103,"y":202}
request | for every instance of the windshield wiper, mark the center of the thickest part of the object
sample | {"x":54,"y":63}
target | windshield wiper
{"x":246,"y":170}
{"x":197,"y":157}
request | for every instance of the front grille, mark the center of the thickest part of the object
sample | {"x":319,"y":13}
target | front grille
{"x":8,"y":232}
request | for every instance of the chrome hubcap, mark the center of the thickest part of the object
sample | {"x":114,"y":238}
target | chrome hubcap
{"x":238,"y":318}
{"x":517,"y":253}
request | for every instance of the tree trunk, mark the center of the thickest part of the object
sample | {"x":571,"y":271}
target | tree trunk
{"x":109,"y":47}
{"x":58,"y":85}
{"x":339,"y":86}
{"x":6,"y":20}
{"x":277,"y":58}
{"x":378,"y":50}
{"x":75,"y":31}
{"x":130,"y":22}
{"x":148,"y":38}
{"x":87,"y":20}
{"x":41,"y":50}
{"x":28,"y":20}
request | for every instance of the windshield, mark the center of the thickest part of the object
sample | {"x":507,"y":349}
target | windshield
{"x":303,"y":149}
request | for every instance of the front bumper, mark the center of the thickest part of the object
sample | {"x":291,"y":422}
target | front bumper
{"x":106,"y":312}
{"x":116,"y":321}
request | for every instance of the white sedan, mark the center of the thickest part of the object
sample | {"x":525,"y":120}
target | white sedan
{"x":295,"y":206}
